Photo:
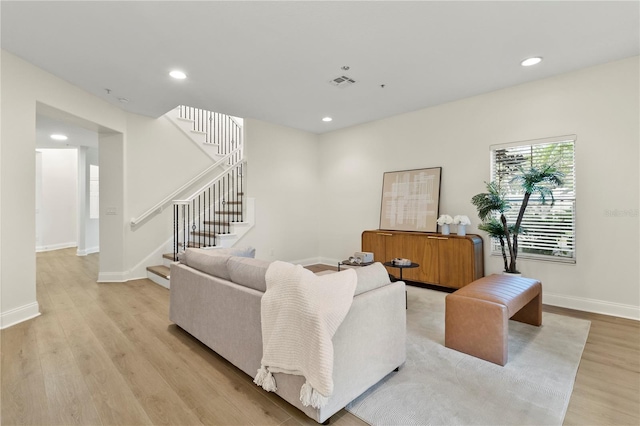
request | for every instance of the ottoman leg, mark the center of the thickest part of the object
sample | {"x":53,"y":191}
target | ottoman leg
{"x":477,"y":327}
{"x":531,"y":313}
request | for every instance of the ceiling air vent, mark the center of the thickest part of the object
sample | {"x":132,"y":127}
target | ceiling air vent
{"x":342,"y":81}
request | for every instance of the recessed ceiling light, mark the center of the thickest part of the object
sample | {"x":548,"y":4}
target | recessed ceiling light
{"x":58,"y":137}
{"x":178,"y":75}
{"x":531,"y":61}
{"x":327,"y":119}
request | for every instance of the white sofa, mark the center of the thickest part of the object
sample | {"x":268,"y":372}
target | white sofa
{"x":215,"y":296}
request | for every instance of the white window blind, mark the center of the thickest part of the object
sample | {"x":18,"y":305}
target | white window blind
{"x":550,"y":230}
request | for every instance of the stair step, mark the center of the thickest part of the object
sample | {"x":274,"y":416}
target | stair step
{"x":160,"y":270}
{"x":204,"y":234}
{"x":168,"y":256}
{"x":227,"y":212}
{"x":186,"y":120}
{"x":235,"y":203}
{"x":196,"y":244}
{"x":216,"y":222}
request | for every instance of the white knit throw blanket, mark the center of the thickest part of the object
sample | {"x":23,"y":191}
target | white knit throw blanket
{"x":300,"y":314}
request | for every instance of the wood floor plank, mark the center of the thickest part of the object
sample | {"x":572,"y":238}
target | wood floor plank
{"x":69,"y":400}
{"x":25,"y":402}
{"x":157,"y":398}
{"x":204,"y":399}
{"x":114,"y":401}
{"x":216,"y":371}
{"x":23,"y":397}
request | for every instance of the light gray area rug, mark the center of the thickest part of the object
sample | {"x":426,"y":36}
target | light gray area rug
{"x":440,"y":386}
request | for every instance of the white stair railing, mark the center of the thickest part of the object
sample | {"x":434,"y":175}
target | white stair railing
{"x":200,"y":219}
{"x":219,"y":129}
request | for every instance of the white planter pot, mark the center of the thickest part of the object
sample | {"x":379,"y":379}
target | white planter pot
{"x":445,"y":229}
{"x":462,"y":230}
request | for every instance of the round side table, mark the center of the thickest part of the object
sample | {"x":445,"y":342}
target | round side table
{"x":401,"y":267}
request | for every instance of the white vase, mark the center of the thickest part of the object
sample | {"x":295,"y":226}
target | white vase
{"x":445,"y":229}
{"x":462,"y":230}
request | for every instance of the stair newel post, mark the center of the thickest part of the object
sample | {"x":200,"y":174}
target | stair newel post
{"x":193,"y":220}
{"x":218,"y":210}
{"x":241,"y":193}
{"x":208,"y":213}
{"x":230,"y":198}
{"x":185,"y":225}
{"x":235,"y":190}
{"x":225,"y":206}
{"x":198,"y":221}
{"x":233,"y":194}
{"x":240,"y":198}
{"x":175,"y":232}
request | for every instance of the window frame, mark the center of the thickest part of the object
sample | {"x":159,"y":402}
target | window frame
{"x":566,"y":194}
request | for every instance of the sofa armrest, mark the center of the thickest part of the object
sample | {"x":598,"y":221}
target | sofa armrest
{"x":369,"y":344}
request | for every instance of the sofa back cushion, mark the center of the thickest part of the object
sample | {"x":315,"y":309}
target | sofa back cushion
{"x":231,"y":264}
{"x":208,"y":261}
{"x":371,"y":277}
{"x":248,"y":272}
{"x":231,"y":251}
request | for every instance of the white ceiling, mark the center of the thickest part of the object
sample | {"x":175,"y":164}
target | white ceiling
{"x":272,"y":60}
{"x":77,"y":136}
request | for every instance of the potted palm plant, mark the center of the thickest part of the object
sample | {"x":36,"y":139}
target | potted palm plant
{"x":493,"y":204}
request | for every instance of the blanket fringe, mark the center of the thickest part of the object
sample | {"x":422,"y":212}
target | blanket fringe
{"x":265,"y":379}
{"x":310,"y":396}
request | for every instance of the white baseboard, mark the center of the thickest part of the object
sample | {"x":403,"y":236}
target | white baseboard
{"x":329,"y":261}
{"x":592,"y":305}
{"x":18,"y":315}
{"x":139,"y":271}
{"x":56,"y":247}
{"x":113,"y":277}
{"x":88,"y":251}
{"x":305,"y":262}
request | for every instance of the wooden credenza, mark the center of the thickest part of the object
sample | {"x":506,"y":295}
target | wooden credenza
{"x":445,"y":260}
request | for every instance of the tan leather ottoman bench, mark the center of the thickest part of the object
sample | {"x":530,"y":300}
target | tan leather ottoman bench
{"x":477,"y":315}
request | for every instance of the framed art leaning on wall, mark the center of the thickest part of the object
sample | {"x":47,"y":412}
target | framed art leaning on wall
{"x":411,"y":200}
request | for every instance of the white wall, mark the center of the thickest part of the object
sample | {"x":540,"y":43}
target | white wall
{"x":599,"y":104}
{"x":23,"y":86}
{"x":282,"y":175}
{"x":58,"y":203}
{"x":160,"y":158}
{"x":88,"y":228}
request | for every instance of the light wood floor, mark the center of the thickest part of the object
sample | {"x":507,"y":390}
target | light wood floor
{"x":107,"y":354}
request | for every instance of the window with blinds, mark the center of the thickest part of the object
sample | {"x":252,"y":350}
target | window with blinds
{"x":550,"y":230}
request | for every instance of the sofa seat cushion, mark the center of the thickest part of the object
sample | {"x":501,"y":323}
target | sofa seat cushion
{"x":248,"y":272}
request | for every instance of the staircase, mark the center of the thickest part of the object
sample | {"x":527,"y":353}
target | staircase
{"x":218,"y":214}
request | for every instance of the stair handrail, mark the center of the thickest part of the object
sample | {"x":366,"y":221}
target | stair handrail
{"x":212,"y":182}
{"x":168,"y":199}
